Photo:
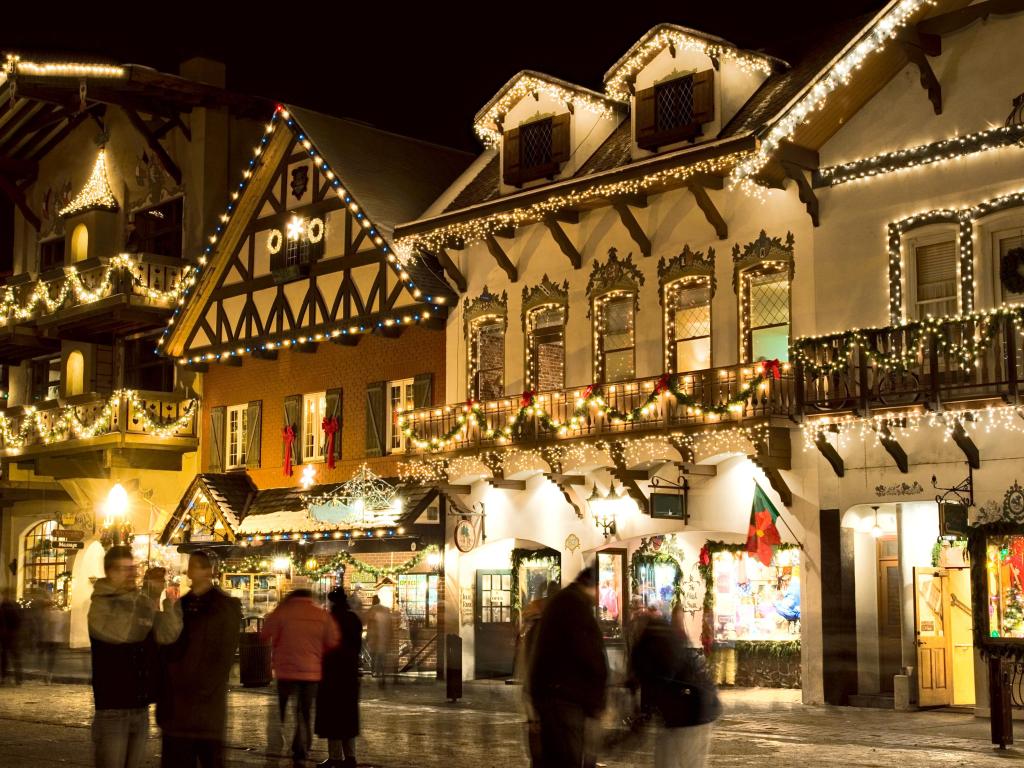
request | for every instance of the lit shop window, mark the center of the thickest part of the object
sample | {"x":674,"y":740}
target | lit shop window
{"x":313,"y":409}
{"x":1005,"y":573}
{"x":611,"y":596}
{"x":753,"y":601}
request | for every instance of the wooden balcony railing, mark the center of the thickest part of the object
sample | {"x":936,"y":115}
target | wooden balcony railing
{"x":735,"y":394}
{"x":970,"y":358}
{"x":84,"y":418}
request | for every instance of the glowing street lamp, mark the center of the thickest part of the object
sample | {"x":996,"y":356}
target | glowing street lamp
{"x":603,"y":510}
{"x":117,"y":528}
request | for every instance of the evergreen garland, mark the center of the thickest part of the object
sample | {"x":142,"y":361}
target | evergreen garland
{"x":647,"y":555}
{"x":550,"y":557}
{"x":343,"y":560}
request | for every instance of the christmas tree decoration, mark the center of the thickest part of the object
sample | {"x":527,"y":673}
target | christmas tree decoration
{"x":96,"y":194}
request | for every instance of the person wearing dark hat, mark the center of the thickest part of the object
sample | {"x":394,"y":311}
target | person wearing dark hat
{"x":569,"y":673}
{"x":337,"y":699}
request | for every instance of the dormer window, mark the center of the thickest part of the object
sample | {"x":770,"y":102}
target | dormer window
{"x":536,"y":149}
{"x":674,"y":110}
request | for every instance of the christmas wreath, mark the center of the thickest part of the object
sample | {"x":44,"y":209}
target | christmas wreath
{"x":1011,"y":269}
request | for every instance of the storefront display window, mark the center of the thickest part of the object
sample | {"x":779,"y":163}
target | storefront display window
{"x":417,"y":594}
{"x":657,"y":585}
{"x":1005,"y":573}
{"x":47,"y":569}
{"x":610,"y":594}
{"x":258,"y":592}
{"x":753,"y":601}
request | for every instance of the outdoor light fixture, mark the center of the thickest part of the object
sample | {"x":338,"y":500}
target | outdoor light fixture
{"x":281,"y":564}
{"x":434,"y":560}
{"x":876,"y":529}
{"x":117,"y":529}
{"x":603,"y":511}
{"x":308,"y":477}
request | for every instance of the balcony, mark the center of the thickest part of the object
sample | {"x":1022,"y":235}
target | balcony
{"x":960,"y":361}
{"x":733,"y":396}
{"x":88,"y":435}
{"x":90,"y":302}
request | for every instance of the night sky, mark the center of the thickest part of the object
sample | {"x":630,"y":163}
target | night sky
{"x":423,"y":69}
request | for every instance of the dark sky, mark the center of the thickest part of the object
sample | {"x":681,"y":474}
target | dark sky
{"x":422,"y":69}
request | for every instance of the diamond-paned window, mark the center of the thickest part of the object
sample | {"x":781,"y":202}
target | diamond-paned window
{"x":673,"y":104}
{"x":535,"y":144}
{"x":618,"y":339}
{"x":693,"y":312}
{"x":769,"y":300}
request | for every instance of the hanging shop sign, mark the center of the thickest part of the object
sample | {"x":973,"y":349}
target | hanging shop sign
{"x":668,"y":506}
{"x":465,"y":535}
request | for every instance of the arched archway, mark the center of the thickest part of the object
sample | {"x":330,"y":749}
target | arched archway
{"x":45,"y":568}
{"x":79,"y":243}
{"x":74,"y":374}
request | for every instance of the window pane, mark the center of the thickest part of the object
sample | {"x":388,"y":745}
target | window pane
{"x":770,"y":343}
{"x":673,"y":103}
{"x":618,"y":323}
{"x":693,"y":313}
{"x":936,"y":278}
{"x":769,"y":300}
{"x":693,"y":354}
{"x":618,"y":366}
{"x":535,"y":143}
{"x":490,"y":361}
{"x":1006,"y":244}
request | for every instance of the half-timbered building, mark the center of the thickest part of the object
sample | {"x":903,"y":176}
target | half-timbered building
{"x":311,"y":337}
{"x":722,"y":273}
{"x":107,"y":174}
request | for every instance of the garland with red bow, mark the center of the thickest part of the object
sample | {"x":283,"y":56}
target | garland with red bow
{"x":288,"y":433}
{"x":330,"y":427}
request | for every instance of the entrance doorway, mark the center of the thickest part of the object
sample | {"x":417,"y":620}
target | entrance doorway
{"x":494,"y":630}
{"x":942,"y":636}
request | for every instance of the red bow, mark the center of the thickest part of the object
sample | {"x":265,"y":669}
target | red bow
{"x":527,"y":398}
{"x":288,"y":433}
{"x":330,"y":426}
{"x":771,"y":369}
{"x":705,"y":556}
{"x":588,"y":391}
{"x":662,"y":384}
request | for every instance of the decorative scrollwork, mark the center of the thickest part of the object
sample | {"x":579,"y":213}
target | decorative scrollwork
{"x":615,"y":275}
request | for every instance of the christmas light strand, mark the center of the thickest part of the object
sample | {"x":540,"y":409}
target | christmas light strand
{"x":96,"y":194}
{"x":64,"y":423}
{"x":315,"y":569}
{"x":16,"y":65}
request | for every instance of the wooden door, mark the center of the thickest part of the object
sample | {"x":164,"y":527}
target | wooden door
{"x":890,"y":632}
{"x":494,"y":631}
{"x":961,"y":635}
{"x":931,"y":636}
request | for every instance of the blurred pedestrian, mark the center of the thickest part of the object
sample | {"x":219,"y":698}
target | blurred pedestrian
{"x":676,"y":687}
{"x":53,"y":634}
{"x":193,"y":700}
{"x":527,"y":645}
{"x":300,"y":632}
{"x":378,"y":637}
{"x":125,"y":628}
{"x":337,"y":699}
{"x":11,"y":619}
{"x":569,"y":674}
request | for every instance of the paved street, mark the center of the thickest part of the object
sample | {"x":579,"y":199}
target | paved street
{"x":411,"y":726}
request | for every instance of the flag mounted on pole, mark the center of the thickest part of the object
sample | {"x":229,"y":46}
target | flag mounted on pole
{"x":762,"y":535}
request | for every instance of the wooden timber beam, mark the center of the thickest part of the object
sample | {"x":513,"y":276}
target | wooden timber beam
{"x":626,"y":476}
{"x":390,"y":331}
{"x":965,"y":444}
{"x":699,"y":470}
{"x":945,"y":23}
{"x":826,"y":449}
{"x":804,"y":188}
{"x":643,"y":242}
{"x":347,"y":339}
{"x":917,"y":52}
{"x":18,"y":169}
{"x":893,"y":448}
{"x":265,"y":354}
{"x":563,"y":241}
{"x":798,"y":155}
{"x":566,"y":217}
{"x":40,"y":150}
{"x":502,"y":258}
{"x":562,"y":479}
{"x":450,"y":269}
{"x":154,"y":144}
{"x":449,"y":489}
{"x":17,"y":196}
{"x":232,"y":361}
{"x":773,"y":453}
{"x":508,"y":485}
{"x":306,"y":347}
{"x":711,"y":213}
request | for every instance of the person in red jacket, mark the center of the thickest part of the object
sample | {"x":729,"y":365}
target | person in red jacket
{"x":300,"y":632}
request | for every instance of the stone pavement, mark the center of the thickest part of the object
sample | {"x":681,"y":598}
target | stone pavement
{"x":410,"y":725}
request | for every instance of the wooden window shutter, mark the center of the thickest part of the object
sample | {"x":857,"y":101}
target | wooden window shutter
{"x":704,"y":96}
{"x":253,"y":435}
{"x":218,"y":416}
{"x":376,"y":414}
{"x":510,"y":157}
{"x":645,"y":127}
{"x":422,"y":390}
{"x":293,"y":418}
{"x":333,"y":410}
{"x":102,"y":368}
{"x":560,"y":148}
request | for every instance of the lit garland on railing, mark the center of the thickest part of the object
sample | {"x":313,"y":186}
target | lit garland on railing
{"x":528,"y":83}
{"x":313,"y":568}
{"x":72,"y":285}
{"x":920,"y":333}
{"x":924,"y":154}
{"x":617,"y":80}
{"x":479,"y":228}
{"x":96,"y":194}
{"x":590,"y":402}
{"x":814,"y":98}
{"x":404,"y":318}
{"x":67,"y":425}
{"x":16,"y":65}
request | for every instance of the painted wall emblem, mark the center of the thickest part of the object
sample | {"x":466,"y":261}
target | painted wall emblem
{"x":899,"y":489}
{"x":300,"y":181}
{"x":572,"y":542}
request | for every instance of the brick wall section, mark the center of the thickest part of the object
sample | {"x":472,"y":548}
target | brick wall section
{"x":416,"y":351}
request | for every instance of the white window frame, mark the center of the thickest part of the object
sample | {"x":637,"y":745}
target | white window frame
{"x":313,"y":407}
{"x":236,"y":439}
{"x":930,"y":235}
{"x":395,"y":437}
{"x":987,"y":234}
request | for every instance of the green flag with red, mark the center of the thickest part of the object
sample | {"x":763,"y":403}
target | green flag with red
{"x":762,"y":536}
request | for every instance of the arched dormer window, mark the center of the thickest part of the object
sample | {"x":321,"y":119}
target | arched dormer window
{"x":545,"y":313}
{"x":486,"y":318}
{"x":687,"y":283}
{"x":762,"y":274}
{"x":613,"y":293}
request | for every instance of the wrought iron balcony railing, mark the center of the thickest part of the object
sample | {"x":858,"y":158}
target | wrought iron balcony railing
{"x":734,"y":394}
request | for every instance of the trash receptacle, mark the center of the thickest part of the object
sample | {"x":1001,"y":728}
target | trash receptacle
{"x":453,"y":667}
{"x":254,"y":669}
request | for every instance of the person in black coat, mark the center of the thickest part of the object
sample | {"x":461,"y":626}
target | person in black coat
{"x":337,"y":700}
{"x":569,"y":673}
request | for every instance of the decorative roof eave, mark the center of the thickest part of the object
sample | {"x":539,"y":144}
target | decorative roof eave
{"x":620,"y":76}
{"x":487,"y":122}
{"x":528,"y":207}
